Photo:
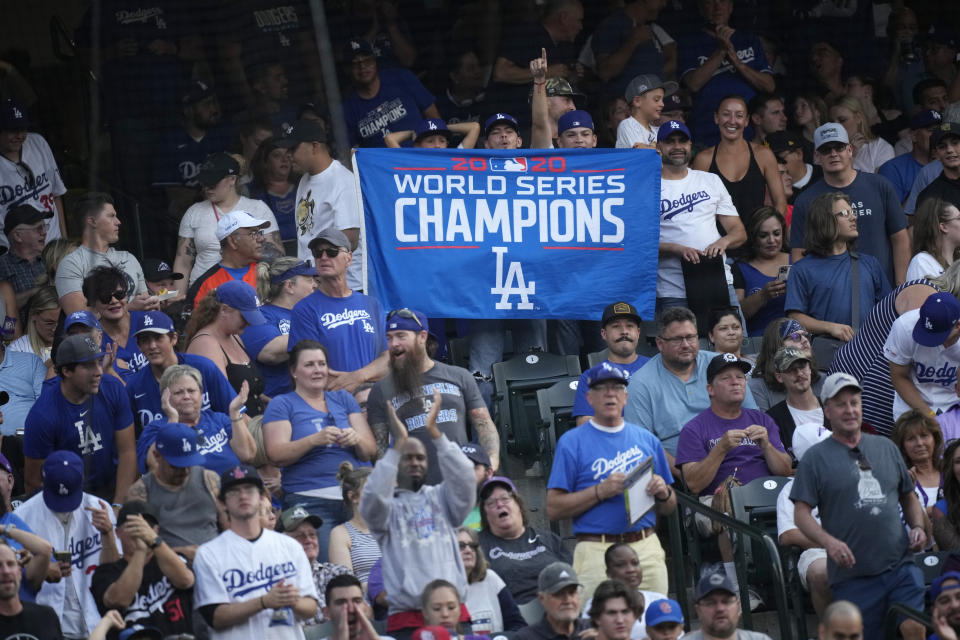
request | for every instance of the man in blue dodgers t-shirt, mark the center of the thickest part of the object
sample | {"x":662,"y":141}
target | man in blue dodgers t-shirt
{"x":881,"y":222}
{"x":587,"y":484}
{"x":719,"y":61}
{"x":157,"y":338}
{"x":620,"y":329}
{"x":83,"y":411}
{"x":349,"y":324}
{"x":382,"y":100}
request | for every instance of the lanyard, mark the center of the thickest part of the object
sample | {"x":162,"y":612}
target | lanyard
{"x":215,"y":212}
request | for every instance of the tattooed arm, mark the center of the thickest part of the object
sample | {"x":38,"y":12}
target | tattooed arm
{"x":381,"y":434}
{"x":186,"y":256}
{"x":486,"y":434}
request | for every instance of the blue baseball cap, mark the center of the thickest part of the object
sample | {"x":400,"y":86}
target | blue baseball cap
{"x":84,"y":317}
{"x":936,"y":587}
{"x":154,"y":322}
{"x":179,"y":445}
{"x":500,"y":118}
{"x":242,"y":297}
{"x":574,"y":120}
{"x":62,"y":481}
{"x":407,"y":320}
{"x":302,"y":268}
{"x":938,"y":314}
{"x":13,"y":117}
{"x":605,"y":371}
{"x":670,"y":127}
{"x":664,"y":610}
{"x":925,"y":118}
{"x":430,"y":127}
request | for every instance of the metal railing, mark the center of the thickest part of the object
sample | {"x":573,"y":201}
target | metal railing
{"x":743,"y":529}
{"x":890,"y":623}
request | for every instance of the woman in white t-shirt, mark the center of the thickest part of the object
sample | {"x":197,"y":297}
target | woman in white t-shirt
{"x":936,"y":238}
{"x":489,"y":601}
{"x":869,"y":151}
{"x":197,"y":246}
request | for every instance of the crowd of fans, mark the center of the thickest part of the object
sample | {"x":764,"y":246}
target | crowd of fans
{"x":228,"y":438}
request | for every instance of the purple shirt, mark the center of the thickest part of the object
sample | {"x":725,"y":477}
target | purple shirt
{"x":701,"y":434}
{"x":950,"y":424}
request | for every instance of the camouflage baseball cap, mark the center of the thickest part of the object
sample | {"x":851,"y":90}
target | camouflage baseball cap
{"x":786,"y":356}
{"x":561,"y":87}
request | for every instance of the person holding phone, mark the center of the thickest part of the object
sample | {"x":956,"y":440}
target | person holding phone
{"x":760,"y":281}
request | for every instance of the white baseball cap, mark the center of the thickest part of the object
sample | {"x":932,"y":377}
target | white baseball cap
{"x":806,"y":435}
{"x":238,"y":219}
{"x":837,"y":382}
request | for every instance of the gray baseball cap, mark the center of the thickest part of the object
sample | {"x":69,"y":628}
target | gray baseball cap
{"x":77,"y":348}
{"x":836,"y":383}
{"x":556,"y":576}
{"x":331,"y":235}
{"x":830,"y":132}
{"x":648,"y":82}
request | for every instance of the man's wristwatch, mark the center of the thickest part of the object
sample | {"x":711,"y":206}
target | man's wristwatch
{"x":156,"y":542}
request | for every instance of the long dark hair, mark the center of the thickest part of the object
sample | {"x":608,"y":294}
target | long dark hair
{"x":821,"y":230}
{"x":761,"y":215}
{"x":951,"y":485}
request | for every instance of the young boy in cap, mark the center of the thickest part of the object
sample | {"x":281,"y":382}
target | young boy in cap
{"x":645,"y":95}
{"x":434,"y":133}
{"x":664,"y":620}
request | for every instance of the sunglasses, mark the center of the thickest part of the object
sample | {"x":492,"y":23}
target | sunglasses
{"x":330,"y":252}
{"x":405,"y":313}
{"x":472,"y":545}
{"x":797,"y":336}
{"x":862,"y":461}
{"x":116,"y":295}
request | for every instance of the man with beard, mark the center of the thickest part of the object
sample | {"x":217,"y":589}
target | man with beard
{"x":415,"y":523}
{"x":692,"y":205}
{"x":248,"y":576}
{"x":946,"y":140}
{"x":793,"y":370}
{"x":22,"y":619}
{"x":718,"y":610}
{"x":558,"y":590}
{"x":945,"y":593}
{"x":413,"y":378}
{"x":620,"y":329}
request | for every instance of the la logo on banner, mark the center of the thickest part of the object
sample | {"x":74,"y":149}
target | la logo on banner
{"x":505,"y":286}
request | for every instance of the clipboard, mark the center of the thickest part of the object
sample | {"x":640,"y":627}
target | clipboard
{"x":638,"y":502}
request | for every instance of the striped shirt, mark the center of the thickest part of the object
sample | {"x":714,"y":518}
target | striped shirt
{"x":863,"y":358}
{"x":364,"y":552}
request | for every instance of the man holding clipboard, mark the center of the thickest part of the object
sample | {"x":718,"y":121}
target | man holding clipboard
{"x":588,"y":483}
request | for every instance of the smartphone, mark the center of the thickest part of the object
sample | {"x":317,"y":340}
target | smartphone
{"x":167,"y":295}
{"x":63,"y":556}
{"x":783,"y":273}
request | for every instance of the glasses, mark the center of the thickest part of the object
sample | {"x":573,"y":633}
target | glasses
{"x":493,"y":502}
{"x":256,"y":233}
{"x":116,"y":295}
{"x":472,"y":545}
{"x":846,"y":213}
{"x":827,"y":149}
{"x":678,"y":340}
{"x":405,"y":313}
{"x":862,"y":461}
{"x":797,"y":336}
{"x":330,"y":252}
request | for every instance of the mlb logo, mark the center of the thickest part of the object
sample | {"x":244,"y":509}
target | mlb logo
{"x":509,"y":165}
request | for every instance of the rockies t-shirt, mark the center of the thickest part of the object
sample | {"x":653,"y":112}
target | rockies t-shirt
{"x":215,"y":431}
{"x":588,"y":454}
{"x":316,"y":469}
{"x":35,"y":181}
{"x":879,"y":216}
{"x":56,"y":424}
{"x":231,"y":568}
{"x":396,"y":107}
{"x":157,"y":603}
{"x":460,"y":395}
{"x":257,"y":336}
{"x":143,"y":390}
{"x":353,"y":329}
{"x":329,"y":199}
{"x":699,"y":436}
{"x":688,"y":215}
{"x":520,"y":561}
{"x":933,"y":370}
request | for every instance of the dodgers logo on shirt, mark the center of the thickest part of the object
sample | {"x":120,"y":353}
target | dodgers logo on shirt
{"x":239,"y":583}
{"x":683,"y":204}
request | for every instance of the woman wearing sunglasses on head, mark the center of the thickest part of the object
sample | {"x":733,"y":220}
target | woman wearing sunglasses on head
{"x":763,"y":384}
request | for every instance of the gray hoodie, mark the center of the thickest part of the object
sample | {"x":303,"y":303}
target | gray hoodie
{"x":417,"y":531}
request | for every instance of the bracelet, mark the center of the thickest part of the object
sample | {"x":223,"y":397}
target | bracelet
{"x":667,"y":499}
{"x":539,"y":84}
{"x":236,"y":419}
{"x":263,"y":605}
{"x":596,"y":489}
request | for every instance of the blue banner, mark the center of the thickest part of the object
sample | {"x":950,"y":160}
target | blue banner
{"x":531,"y":233}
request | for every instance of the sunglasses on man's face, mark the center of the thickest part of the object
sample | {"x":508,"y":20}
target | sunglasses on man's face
{"x":116,"y":295}
{"x":330,"y":252}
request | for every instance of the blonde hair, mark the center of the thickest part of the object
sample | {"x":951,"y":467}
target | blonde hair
{"x":256,"y":430}
{"x":177,"y":371}
{"x":856,"y":107}
{"x":266,"y":289}
{"x":44,"y":299}
{"x":352,"y":480}
{"x":52,"y":254}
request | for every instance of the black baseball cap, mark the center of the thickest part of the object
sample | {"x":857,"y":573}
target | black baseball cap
{"x":303,"y":130}
{"x":24,"y":214}
{"x":195,"y":91}
{"x":135,"y":508}
{"x":216,"y":167}
{"x":620,"y":310}
{"x":154,"y":270}
{"x":945,"y":130}
{"x":724,"y":361}
{"x":780,"y":141}
{"x":240,"y":474}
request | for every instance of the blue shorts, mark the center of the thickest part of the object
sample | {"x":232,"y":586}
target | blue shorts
{"x":875,"y":594}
